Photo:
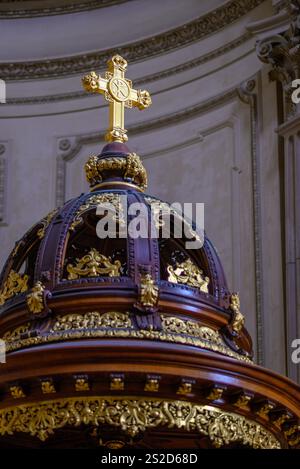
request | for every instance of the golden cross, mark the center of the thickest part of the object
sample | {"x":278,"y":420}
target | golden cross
{"x":119,"y":92}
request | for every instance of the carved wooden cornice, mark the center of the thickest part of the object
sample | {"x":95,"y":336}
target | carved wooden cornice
{"x":181,"y":36}
{"x":30,"y":9}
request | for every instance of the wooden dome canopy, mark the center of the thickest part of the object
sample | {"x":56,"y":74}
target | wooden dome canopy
{"x":129,"y":341}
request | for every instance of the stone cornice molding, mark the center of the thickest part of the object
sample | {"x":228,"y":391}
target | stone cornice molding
{"x":147,"y":126}
{"x":181,"y":36}
{"x":3,"y":182}
{"x":282,"y":53}
{"x":290,"y":127}
{"x":140,"y":81}
{"x":29,"y":11}
{"x":274,"y":24}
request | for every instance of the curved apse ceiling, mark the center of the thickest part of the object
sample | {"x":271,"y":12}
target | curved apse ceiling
{"x":71,"y":62}
{"x":30,"y":8}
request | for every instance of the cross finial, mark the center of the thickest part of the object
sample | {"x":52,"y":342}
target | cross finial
{"x":119,"y":93}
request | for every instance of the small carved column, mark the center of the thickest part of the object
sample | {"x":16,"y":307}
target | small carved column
{"x":282,"y":52}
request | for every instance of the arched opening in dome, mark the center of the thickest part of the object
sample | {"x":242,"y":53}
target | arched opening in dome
{"x":183,"y":266}
{"x":23,"y":258}
{"x":87,"y":255}
{"x":25,"y":264}
{"x":182,"y":259}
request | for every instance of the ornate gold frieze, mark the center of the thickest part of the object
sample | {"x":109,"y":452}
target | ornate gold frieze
{"x":93,"y":320}
{"x":45,"y":223}
{"x":108,"y":199}
{"x":16,"y":334}
{"x":189,"y":274}
{"x":94,"y":264}
{"x":134,"y":416}
{"x":131,"y":166}
{"x":238,"y":319}
{"x":148,"y":291}
{"x":14,"y":284}
{"x":117,"y":324}
{"x":192,"y":328}
{"x":35,"y":299}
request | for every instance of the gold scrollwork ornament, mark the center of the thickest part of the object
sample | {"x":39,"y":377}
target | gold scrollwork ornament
{"x":35,"y":299}
{"x":188,"y":273}
{"x":135,"y":415}
{"x":93,"y":264}
{"x":14,"y":284}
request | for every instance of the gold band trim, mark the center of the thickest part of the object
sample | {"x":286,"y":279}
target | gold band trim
{"x":116,"y":183}
{"x":119,"y":325}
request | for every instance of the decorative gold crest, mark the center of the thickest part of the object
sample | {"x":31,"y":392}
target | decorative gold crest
{"x":189,"y":274}
{"x":94,"y":264}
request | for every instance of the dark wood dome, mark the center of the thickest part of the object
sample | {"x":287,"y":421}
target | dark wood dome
{"x":129,"y":341}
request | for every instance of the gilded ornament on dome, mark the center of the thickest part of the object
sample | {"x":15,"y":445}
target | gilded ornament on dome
{"x":35,"y":299}
{"x":111,"y":201}
{"x":238,"y":319}
{"x":92,"y":320}
{"x":15,"y":283}
{"x":131,"y":166}
{"x":148,"y":291}
{"x":94,"y":264}
{"x":45,"y":223}
{"x":189,"y":274}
